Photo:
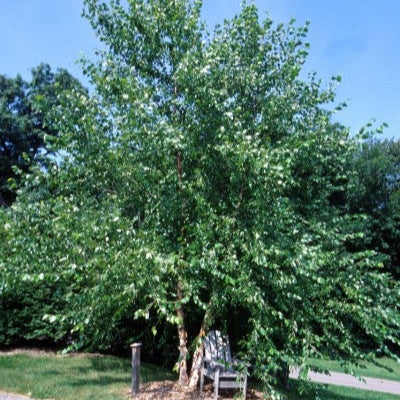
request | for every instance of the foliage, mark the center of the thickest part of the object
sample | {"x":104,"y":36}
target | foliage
{"x":65,"y":249}
{"x":23,"y":110}
{"x":26,"y":294}
{"x":375,"y":192}
{"x":200,"y":183}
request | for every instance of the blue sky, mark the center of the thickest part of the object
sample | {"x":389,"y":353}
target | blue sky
{"x":358,"y":39}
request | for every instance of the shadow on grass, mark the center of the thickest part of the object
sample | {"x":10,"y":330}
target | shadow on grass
{"x":104,"y":371}
{"x":105,"y":364}
{"x":320,"y":393}
{"x":53,"y":373}
{"x":104,"y":380}
{"x":380,"y":364}
{"x":149,"y":373}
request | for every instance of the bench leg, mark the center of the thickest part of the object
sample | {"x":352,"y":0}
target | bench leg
{"x":202,"y":381}
{"x":245,"y":386}
{"x":216,"y":384}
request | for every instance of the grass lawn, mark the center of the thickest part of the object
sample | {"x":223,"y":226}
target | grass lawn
{"x":72,"y":378}
{"x":384,"y":368}
{"x":338,"y":393}
{"x":101,"y":377}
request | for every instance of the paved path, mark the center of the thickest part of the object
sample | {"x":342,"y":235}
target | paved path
{"x":340,"y":379}
{"x":9,"y":396}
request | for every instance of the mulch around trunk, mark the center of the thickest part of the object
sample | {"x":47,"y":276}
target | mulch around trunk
{"x":170,"y":390}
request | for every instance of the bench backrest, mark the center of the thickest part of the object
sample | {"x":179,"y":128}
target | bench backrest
{"x":217,"y":348}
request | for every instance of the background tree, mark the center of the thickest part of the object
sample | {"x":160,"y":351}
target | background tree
{"x":206,"y":172}
{"x":375,"y":192}
{"x":23,"y":110}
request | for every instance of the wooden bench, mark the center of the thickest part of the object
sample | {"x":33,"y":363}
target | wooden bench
{"x":218,"y":365}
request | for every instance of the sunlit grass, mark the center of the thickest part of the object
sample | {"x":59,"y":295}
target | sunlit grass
{"x":330,"y":392}
{"x":384,"y":368}
{"x":86,"y":377}
{"x":72,"y":378}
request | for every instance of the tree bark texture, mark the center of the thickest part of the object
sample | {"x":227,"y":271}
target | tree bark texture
{"x":182,"y":334}
{"x":195,"y":371}
{"x":197,"y":360}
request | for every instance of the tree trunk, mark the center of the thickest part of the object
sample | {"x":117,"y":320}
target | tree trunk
{"x":283,"y":375}
{"x":2,"y":201}
{"x":197,"y":360}
{"x":198,"y":353}
{"x":182,"y":334}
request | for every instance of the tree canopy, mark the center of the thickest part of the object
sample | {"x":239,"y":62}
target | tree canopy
{"x":23,"y":110}
{"x":376,"y":193}
{"x":198,"y":185}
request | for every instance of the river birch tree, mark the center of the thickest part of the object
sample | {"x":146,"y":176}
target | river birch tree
{"x":218,"y":167}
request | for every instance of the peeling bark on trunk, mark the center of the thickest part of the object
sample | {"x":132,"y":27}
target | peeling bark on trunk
{"x":183,"y":376}
{"x":198,"y":353}
{"x":197,"y":360}
{"x":182,"y":334}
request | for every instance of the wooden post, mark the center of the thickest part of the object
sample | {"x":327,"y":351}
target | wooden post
{"x":135,"y":367}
